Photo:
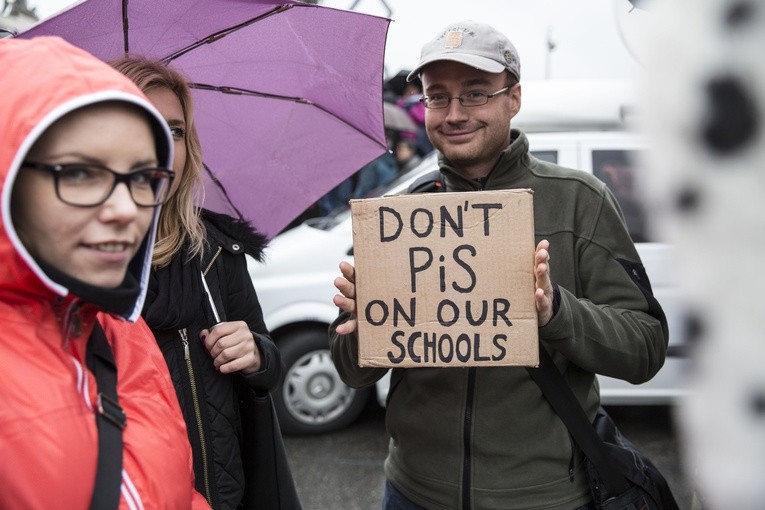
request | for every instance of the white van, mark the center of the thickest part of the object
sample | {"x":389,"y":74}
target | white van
{"x":295,"y":286}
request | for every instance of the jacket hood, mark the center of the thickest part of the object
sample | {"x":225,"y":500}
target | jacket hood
{"x":42,"y":80}
{"x":231,"y":231}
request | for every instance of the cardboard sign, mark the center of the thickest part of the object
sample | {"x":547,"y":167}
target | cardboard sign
{"x":446,"y":279}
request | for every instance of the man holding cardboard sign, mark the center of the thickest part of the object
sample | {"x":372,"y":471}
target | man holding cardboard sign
{"x":483,"y":436}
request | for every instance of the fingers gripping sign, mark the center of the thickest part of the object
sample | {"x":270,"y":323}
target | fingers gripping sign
{"x":346,"y":300}
{"x":543,"y":296}
{"x":232,"y":347}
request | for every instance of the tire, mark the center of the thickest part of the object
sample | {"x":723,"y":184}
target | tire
{"x":311,"y":398}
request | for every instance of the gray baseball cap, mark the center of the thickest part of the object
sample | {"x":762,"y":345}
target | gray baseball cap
{"x":475,"y":44}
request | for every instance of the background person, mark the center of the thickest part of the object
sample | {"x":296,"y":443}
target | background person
{"x":406,"y":94}
{"x":405,"y":152}
{"x":217,"y":372}
{"x":78,"y":212}
{"x":485,"y":437}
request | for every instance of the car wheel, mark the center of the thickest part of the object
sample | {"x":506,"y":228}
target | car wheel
{"x":312,"y":399}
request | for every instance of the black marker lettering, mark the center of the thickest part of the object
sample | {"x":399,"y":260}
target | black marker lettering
{"x":469,"y":270}
{"x":486,"y":208}
{"x":399,"y":225}
{"x":414,"y":268}
{"x":394,"y":340}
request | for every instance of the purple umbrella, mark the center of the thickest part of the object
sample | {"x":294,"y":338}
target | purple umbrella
{"x":288,"y":96}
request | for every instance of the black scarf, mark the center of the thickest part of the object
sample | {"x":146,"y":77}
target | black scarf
{"x":120,"y":300}
{"x":175,"y":292}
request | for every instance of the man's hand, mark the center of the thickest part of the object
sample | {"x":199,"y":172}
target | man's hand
{"x":232,"y":347}
{"x":543,"y":296}
{"x":346,"y":300}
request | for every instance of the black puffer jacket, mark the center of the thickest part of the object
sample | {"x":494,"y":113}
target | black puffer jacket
{"x":177,"y":310}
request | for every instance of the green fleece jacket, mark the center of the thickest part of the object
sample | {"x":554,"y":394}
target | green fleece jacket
{"x":485,"y":438}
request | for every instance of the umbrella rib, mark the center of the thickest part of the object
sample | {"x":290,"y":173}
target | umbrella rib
{"x":125,"y":27}
{"x":246,"y":92}
{"x":222,"y":189}
{"x":302,"y":100}
{"x":222,"y":33}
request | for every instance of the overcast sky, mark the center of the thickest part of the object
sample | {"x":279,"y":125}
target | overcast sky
{"x":588,"y":35}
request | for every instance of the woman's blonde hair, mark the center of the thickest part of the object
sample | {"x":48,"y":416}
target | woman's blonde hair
{"x":179,"y":220}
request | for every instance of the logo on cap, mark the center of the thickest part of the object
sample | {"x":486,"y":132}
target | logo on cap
{"x":453,"y":39}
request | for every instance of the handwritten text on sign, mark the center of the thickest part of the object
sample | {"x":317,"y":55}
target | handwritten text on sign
{"x":445,"y":279}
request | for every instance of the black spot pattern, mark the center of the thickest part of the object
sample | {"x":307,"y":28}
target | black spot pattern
{"x":732,"y":121}
{"x":688,"y":199}
{"x":693,"y":326}
{"x":738,"y":14}
{"x":757,"y":403}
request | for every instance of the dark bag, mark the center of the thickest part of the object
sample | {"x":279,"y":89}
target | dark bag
{"x":619,"y":475}
{"x":269,"y":478}
{"x":648,"y":488}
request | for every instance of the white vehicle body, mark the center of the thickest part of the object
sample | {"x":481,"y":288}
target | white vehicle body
{"x":295,"y":287}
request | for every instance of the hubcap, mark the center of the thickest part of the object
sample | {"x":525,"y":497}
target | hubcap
{"x":313,"y":390}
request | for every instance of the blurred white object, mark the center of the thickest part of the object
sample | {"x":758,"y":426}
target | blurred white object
{"x":705,"y":100}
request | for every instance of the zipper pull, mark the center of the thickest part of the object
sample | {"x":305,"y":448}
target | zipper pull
{"x":185,"y":340}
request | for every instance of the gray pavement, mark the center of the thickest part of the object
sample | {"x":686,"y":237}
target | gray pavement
{"x":344,"y":470}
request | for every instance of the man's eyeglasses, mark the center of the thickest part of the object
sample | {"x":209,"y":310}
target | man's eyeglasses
{"x":90,"y":185}
{"x":472,"y":98}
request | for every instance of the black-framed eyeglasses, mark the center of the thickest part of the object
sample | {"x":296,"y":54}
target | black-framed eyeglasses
{"x":469,"y":99}
{"x":90,"y":184}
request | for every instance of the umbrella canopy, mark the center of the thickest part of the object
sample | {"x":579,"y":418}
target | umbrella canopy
{"x":287,"y":95}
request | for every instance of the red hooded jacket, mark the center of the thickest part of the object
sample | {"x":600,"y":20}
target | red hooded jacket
{"x":48,"y":434}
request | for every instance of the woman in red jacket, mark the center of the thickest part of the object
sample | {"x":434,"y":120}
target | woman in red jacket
{"x":79,"y":209}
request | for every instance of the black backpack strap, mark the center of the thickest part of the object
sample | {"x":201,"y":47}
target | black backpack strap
{"x":563,"y":401}
{"x":110,"y":420}
{"x":428,"y":183}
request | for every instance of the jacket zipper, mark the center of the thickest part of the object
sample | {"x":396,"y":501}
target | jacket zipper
{"x":468,"y":425}
{"x":197,"y":414}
